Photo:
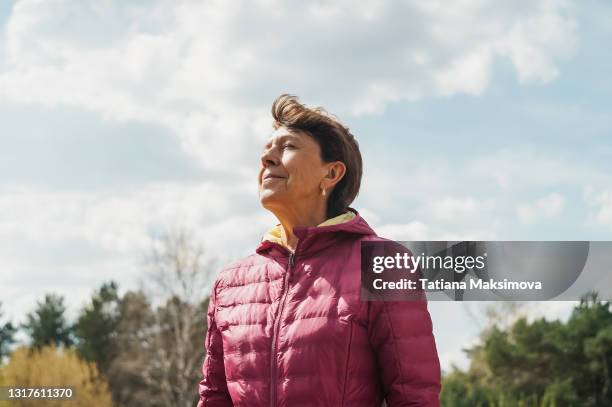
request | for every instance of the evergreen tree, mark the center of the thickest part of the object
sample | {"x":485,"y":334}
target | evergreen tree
{"x":540,"y":363}
{"x":7,"y":332}
{"x":46,"y":325}
{"x":96,"y":327}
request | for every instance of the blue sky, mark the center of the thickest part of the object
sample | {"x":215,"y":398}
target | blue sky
{"x":475,"y":121}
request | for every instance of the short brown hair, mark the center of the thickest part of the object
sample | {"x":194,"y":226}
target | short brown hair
{"x":336,"y":143}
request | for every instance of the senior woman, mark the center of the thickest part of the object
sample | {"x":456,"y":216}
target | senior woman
{"x":286,"y":325}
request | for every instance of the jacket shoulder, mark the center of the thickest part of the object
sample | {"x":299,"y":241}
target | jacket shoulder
{"x":391,"y":246}
{"x":232,"y":273}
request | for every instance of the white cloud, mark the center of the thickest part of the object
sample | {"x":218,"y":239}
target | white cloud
{"x":416,"y":230}
{"x":458,"y":208}
{"x":209,"y":70}
{"x":409,"y":182}
{"x":546,"y":207}
{"x":469,"y":73}
{"x":528,"y":37}
{"x":602,"y":202}
{"x":523,"y":168}
{"x":68,"y":242}
{"x":121,"y":223}
{"x":25,"y":283}
{"x":426,"y":198}
{"x":370,"y":216}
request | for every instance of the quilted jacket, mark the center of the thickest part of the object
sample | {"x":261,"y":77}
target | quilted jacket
{"x":289,"y":329}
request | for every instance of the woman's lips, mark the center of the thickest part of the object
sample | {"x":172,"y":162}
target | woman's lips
{"x":271,"y":177}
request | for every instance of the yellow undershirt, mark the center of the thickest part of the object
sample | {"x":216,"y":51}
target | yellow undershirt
{"x":274,"y":234}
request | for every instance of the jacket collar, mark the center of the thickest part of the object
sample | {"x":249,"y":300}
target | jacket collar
{"x":349,"y":222}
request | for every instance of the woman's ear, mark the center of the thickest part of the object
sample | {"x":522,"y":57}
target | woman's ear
{"x":335,"y":172}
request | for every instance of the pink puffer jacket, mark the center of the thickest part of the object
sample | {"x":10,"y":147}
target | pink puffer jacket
{"x":291,"y":330}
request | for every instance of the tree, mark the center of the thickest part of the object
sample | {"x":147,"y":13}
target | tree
{"x":179,"y":346}
{"x":588,"y":354}
{"x":540,"y":363}
{"x":47,"y":325}
{"x":50,"y":366}
{"x":96,"y":327}
{"x":179,"y":275}
{"x":134,"y":344}
{"x":149,"y":343}
{"x":7,"y":332}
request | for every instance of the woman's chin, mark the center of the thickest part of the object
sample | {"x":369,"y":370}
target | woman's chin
{"x":269,"y":198}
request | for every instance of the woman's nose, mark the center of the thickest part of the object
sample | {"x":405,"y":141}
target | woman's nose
{"x":268,"y":158}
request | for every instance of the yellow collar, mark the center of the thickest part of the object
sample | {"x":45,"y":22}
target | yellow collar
{"x":274,"y":234}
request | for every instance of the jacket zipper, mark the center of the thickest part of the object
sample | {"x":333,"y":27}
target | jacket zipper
{"x":346,"y":362}
{"x":279,"y":314}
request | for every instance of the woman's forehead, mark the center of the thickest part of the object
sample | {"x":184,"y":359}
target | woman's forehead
{"x":281,"y":131}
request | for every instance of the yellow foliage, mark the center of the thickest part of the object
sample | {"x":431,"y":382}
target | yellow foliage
{"x":51,"y":366}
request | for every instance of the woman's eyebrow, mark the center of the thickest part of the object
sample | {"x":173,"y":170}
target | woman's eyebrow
{"x":280,"y":139}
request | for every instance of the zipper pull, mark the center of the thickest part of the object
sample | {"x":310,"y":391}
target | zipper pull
{"x":290,"y":268}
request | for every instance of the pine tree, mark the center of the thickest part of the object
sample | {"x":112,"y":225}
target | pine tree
{"x":96,"y":327}
{"x":7,"y":332}
{"x":47,"y":324}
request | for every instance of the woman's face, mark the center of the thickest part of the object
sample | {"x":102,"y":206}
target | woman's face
{"x":291,"y":170}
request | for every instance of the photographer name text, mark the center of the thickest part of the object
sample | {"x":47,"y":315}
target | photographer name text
{"x":425,"y":284}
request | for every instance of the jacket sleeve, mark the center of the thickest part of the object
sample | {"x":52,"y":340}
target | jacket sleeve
{"x":402,"y":338}
{"x":401,"y":335}
{"x":213,"y":387}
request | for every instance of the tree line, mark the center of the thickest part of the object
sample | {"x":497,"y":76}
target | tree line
{"x":540,"y":363}
{"x":142,"y":348}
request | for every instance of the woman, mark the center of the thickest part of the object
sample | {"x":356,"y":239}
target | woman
{"x":286,"y":325}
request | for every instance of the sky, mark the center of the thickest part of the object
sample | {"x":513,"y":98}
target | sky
{"x":476,"y":121}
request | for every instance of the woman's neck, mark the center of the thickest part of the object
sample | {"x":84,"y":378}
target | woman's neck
{"x":291,"y":219}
